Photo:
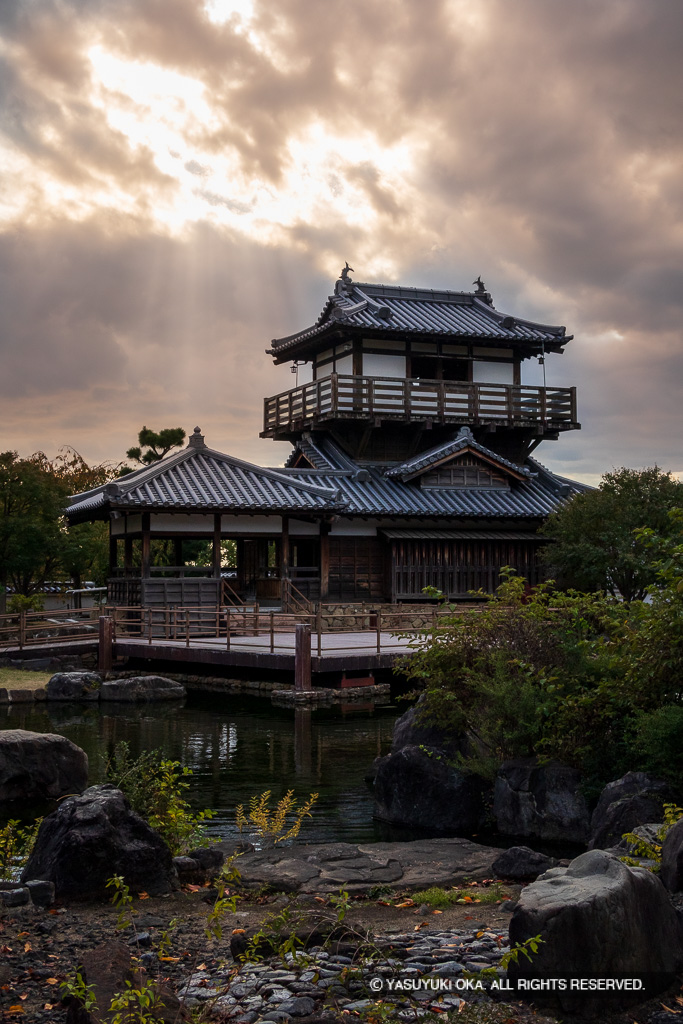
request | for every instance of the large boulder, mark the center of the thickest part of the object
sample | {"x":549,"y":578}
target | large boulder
{"x":635,"y":799}
{"x":418,"y":787}
{"x":520,"y":864}
{"x":411,"y":731}
{"x":38,"y":766}
{"x":74,"y":686}
{"x":671,"y":872}
{"x":139,"y":688}
{"x":543,"y":801}
{"x":92,"y":837}
{"x":597,"y":918}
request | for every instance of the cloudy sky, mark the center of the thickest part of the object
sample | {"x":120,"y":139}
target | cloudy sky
{"x":183,"y":180}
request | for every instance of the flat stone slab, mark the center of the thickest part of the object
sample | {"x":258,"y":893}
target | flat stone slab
{"x":325,"y":867}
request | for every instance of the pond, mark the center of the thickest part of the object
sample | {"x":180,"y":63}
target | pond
{"x":239,"y":746}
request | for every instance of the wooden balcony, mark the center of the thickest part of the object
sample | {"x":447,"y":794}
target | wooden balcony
{"x":342,"y":397}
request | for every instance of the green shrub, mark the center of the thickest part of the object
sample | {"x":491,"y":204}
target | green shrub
{"x":21,"y":603}
{"x":155,"y":788}
{"x":658,"y":742}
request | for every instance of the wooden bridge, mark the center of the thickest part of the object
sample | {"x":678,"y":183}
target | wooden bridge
{"x":306,"y":645}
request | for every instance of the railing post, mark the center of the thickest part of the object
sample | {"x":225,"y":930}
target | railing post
{"x":319,"y":627}
{"x":379,"y":629}
{"x":334,"y":393}
{"x":149,"y":625}
{"x":272,"y":631}
{"x":302,"y":657}
{"x":187,"y":627}
{"x":105,"y":657}
{"x":22,"y":629}
{"x":227,"y":628}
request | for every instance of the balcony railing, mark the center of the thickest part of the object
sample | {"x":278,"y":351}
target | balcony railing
{"x":443,"y":401}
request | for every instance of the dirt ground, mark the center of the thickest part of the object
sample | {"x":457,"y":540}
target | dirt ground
{"x":40,"y":949}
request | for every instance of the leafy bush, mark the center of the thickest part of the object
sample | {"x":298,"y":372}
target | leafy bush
{"x":283,"y":822}
{"x":16,"y":843}
{"x":20,"y":603}
{"x":155,"y":788}
{"x":658,"y":742}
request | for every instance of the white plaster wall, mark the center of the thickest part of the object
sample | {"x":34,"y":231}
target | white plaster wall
{"x":344,"y":364}
{"x":304,"y":373}
{"x":380,"y":365}
{"x":492,"y":373}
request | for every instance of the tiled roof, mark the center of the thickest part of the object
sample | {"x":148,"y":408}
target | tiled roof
{"x":200,"y":479}
{"x":463,"y":442}
{"x":376,"y":307}
{"x":368,"y":490}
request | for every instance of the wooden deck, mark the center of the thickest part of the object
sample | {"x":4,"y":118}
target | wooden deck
{"x":330,"y":652}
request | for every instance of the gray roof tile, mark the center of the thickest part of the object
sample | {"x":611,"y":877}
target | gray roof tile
{"x":421,"y":311}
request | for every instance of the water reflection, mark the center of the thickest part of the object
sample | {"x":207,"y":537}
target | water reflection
{"x":237,"y":747}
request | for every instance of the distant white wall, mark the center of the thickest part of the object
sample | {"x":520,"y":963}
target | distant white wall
{"x":344,"y":364}
{"x":304,"y":373}
{"x":380,"y":365}
{"x":492,"y":373}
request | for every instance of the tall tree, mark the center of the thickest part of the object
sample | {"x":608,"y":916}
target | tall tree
{"x":152,"y":446}
{"x":35,"y":545}
{"x":594,"y":544}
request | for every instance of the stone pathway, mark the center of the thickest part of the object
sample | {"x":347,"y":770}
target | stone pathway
{"x":414,"y":973}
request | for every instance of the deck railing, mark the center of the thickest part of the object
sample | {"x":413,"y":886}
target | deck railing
{"x":340,"y":396}
{"x":33,"y":629}
{"x":235,"y":629}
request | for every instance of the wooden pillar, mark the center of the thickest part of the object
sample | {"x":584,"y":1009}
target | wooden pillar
{"x":324,"y":562}
{"x":302,"y":656}
{"x":113,"y":553}
{"x":104,"y":649}
{"x":216,"y":558}
{"x":146,"y":547}
{"x":128,"y":556}
{"x":284,"y":549}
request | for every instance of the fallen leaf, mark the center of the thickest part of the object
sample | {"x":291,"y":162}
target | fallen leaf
{"x":5,"y":949}
{"x":406,"y":903}
{"x":17,"y":1008}
{"x":189,"y":888}
{"x":25,"y":996}
{"x":49,"y":1006}
{"x":437,"y":911}
{"x":201,"y":967}
{"x":22,"y":935}
{"x":51,"y":981}
{"x":170,"y":959}
{"x":60,"y":910}
{"x":320,"y":899}
{"x":668,"y":1009}
{"x":422,"y":924}
{"x":238,"y":931}
{"x":27,"y":947}
{"x":143,"y":895}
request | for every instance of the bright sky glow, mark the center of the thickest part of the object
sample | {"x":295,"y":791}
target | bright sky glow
{"x":159,"y":111}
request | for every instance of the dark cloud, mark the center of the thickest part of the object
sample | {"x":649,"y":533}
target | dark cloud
{"x":545,"y":153}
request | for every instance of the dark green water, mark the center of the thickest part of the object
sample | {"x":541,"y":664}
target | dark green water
{"x":237,"y":747}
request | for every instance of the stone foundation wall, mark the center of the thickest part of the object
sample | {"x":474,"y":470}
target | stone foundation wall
{"x":50,"y":663}
{"x":335,"y":617}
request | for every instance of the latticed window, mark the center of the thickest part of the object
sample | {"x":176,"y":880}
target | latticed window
{"x":464,"y":476}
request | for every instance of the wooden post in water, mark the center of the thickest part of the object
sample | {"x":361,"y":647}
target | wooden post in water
{"x":302,"y":656}
{"x":105,"y":657}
